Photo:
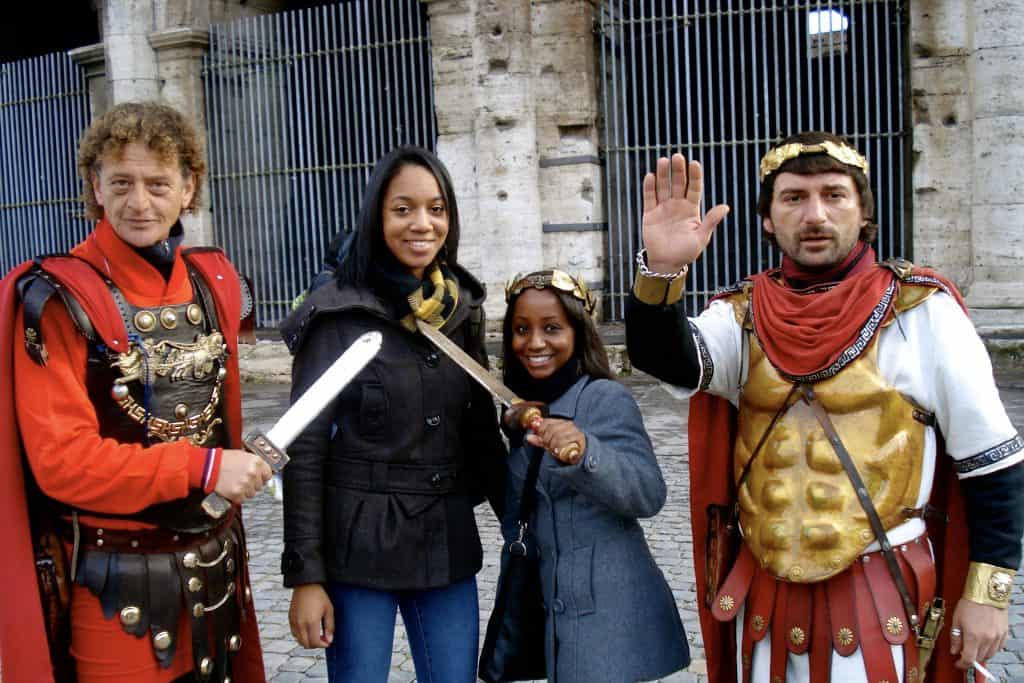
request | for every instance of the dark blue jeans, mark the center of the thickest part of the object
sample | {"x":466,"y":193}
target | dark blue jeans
{"x":443,"y":625}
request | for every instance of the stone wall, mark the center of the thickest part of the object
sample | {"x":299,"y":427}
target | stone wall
{"x":516,"y":100}
{"x":968,"y":183}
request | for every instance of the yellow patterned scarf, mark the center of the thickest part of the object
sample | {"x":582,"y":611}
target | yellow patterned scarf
{"x":436,"y":309}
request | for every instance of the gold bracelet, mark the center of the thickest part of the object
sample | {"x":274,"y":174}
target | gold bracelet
{"x":658,"y":288}
{"x":989,"y":585}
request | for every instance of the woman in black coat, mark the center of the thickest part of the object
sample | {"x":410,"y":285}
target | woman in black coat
{"x":380,"y":491}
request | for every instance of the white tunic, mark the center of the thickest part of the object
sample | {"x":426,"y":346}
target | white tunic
{"x":933,"y":355}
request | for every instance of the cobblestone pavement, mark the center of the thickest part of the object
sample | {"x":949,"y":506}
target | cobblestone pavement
{"x":668,"y":535}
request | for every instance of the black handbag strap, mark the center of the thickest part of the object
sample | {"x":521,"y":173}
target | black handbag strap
{"x":529,"y":497}
{"x":861,"y":489}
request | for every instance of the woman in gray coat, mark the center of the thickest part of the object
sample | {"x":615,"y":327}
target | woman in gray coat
{"x":611,"y":615}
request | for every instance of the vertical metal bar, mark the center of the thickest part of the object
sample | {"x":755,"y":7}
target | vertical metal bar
{"x":402,"y":72}
{"x":349,"y":152}
{"x":367,"y":110}
{"x":905,"y":213}
{"x":388,"y":59}
{"x":614,"y":160}
{"x":356,"y":150}
{"x":8,"y":244}
{"x":276,"y":158}
{"x":734,"y":139}
{"x":330,"y":107}
{"x":263,"y":171}
{"x":424,"y":48}
{"x":892,"y":95}
{"x":719,"y":149}
{"x":635,"y":141}
{"x":605,"y":84}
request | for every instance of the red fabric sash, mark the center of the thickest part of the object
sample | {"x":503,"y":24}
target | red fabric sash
{"x":805,"y":331}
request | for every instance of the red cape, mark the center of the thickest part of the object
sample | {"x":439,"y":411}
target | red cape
{"x":24,"y":653}
{"x":712,"y":431}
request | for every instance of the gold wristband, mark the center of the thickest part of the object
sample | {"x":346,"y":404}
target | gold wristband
{"x":657,"y":290}
{"x":989,"y":585}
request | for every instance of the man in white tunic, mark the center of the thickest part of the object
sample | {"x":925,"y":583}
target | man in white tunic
{"x":851,"y":464}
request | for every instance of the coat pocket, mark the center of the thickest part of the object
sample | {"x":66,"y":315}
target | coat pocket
{"x":583,"y":579}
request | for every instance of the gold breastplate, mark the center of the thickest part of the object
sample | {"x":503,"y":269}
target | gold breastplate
{"x":798,"y":511}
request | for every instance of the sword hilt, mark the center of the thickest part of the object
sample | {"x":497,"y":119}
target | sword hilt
{"x":257,"y":443}
{"x":531,"y":419}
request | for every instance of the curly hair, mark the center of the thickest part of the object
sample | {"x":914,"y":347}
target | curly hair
{"x":160,"y":127}
{"x":811,"y":164}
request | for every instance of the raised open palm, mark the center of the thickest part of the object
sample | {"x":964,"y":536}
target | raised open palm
{"x":674,"y":232}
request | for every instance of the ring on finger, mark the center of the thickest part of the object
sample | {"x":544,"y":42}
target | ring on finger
{"x":955,"y":632}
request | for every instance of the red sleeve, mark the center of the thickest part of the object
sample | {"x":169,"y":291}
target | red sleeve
{"x":60,"y":432}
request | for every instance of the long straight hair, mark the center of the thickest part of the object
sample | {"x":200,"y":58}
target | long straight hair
{"x":368,"y":241}
{"x":588,"y":346}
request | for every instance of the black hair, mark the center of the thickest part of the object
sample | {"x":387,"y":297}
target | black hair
{"x":588,"y":347}
{"x":811,"y":164}
{"x":368,"y":238}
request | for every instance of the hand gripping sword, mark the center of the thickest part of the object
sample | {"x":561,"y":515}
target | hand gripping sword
{"x":530,"y":418}
{"x":270,"y":446}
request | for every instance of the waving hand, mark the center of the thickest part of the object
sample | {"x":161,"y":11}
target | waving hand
{"x":673,"y":230}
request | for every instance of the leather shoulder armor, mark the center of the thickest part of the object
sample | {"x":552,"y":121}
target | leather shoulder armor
{"x":85,"y":295}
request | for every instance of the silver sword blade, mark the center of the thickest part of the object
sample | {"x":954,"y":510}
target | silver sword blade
{"x":467,"y":363}
{"x":324,"y":389}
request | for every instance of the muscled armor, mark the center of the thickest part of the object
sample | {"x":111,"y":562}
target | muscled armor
{"x":798,"y":511}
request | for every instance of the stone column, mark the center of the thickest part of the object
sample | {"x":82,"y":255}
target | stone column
{"x":131,"y":61}
{"x":997,"y":210}
{"x":515,"y":98}
{"x":968,"y":111}
{"x":487,"y":136}
{"x":179,"y":52}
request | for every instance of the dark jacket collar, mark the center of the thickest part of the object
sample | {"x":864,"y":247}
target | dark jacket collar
{"x":329,"y":298}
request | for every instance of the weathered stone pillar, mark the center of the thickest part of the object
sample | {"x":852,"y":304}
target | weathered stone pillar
{"x":968,"y":110}
{"x":180,"y":52}
{"x":515,"y":98}
{"x":131,"y":61}
{"x":997,"y":295}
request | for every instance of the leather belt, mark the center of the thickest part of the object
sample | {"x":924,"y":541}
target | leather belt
{"x":145,"y":540}
{"x":389,"y":477}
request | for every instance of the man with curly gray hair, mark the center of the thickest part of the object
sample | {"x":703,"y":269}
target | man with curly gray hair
{"x":126,"y":408}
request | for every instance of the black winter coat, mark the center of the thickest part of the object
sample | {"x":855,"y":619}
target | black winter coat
{"x":381,"y":486}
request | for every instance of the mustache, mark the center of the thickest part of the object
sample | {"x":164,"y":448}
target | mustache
{"x":817,"y":233}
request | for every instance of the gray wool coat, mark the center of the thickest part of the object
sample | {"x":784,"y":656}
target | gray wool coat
{"x":611,"y":616}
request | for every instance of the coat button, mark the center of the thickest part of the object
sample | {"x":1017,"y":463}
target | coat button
{"x":591,"y":462}
{"x":435,"y":480}
{"x":433,"y":359}
{"x":433,"y":420}
{"x":557,"y":605}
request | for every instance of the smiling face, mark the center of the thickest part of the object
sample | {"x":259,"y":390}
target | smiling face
{"x":141,"y":194}
{"x":816,"y":219}
{"x":415,"y":218}
{"x":542,"y":337}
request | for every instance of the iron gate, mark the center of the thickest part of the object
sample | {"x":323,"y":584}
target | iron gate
{"x":44,"y":108}
{"x":719,"y":81}
{"x":299,"y":107}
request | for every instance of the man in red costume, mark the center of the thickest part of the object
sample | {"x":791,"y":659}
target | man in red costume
{"x":125,"y":414}
{"x":843,"y":410}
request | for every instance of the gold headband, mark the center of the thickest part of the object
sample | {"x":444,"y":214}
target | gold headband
{"x":558,"y":279}
{"x":842,"y":153}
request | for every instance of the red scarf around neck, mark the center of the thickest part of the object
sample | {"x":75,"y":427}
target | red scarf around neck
{"x":805,"y":330}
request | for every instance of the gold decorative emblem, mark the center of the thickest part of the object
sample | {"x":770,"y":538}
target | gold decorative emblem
{"x":999,"y":586}
{"x":145,"y":321}
{"x":989,"y":584}
{"x":795,"y":572}
{"x":894,"y":626}
{"x":194,"y":314}
{"x":726,"y":603}
{"x":130,"y":615}
{"x":797,"y":636}
{"x":842,"y":153}
{"x":757,"y":622}
{"x":168,"y":318}
{"x":162,"y":640}
{"x":844,"y":636}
